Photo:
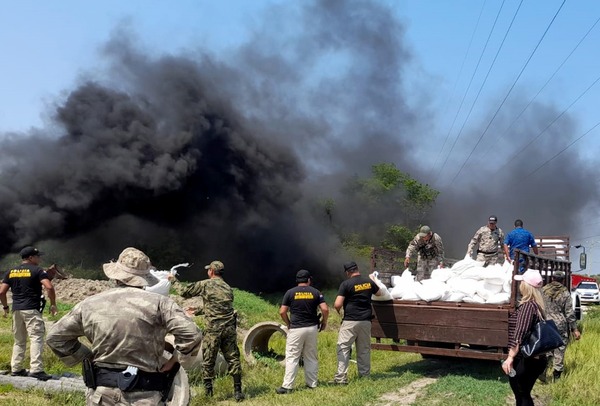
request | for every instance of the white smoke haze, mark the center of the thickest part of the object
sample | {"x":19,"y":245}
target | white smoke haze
{"x":199,"y":157}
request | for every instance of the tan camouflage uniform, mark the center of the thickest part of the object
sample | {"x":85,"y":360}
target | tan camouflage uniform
{"x":126,"y":326}
{"x":559,"y":308}
{"x":489,"y":243}
{"x":220,"y":332}
{"x":430,"y":254}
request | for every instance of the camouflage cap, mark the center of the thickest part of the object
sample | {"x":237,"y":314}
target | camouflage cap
{"x":558,"y":274}
{"x":216,"y":266}
{"x":132,"y":268}
{"x":424,"y":231}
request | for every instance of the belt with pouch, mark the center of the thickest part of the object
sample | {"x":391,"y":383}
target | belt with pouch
{"x":127,"y":382}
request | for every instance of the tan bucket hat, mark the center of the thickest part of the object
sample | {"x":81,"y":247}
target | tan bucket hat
{"x":132,"y":268}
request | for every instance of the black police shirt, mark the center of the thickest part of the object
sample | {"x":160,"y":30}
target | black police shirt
{"x":303,"y":302}
{"x":357,"y":293}
{"x":25,"y":285}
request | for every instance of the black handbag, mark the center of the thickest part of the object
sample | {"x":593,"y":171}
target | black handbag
{"x":543,"y":337}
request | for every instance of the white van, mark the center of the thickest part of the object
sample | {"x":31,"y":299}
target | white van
{"x":588,"y":292}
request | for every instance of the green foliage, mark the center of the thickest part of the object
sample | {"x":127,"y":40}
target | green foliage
{"x":413,"y":196}
{"x":356,"y":249}
{"x":397,"y":237}
{"x":256,"y":309}
{"x":386,"y":207}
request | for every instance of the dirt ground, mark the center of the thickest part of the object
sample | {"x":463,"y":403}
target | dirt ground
{"x":74,"y":290}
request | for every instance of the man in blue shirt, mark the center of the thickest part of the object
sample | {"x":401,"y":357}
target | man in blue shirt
{"x":521,"y":239}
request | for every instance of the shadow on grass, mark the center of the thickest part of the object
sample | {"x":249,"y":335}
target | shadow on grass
{"x":440,"y":367}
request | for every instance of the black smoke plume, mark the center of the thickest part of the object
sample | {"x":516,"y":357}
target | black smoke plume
{"x":196,"y":157}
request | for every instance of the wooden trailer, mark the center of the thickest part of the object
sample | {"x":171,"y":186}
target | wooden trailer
{"x":452,"y":329}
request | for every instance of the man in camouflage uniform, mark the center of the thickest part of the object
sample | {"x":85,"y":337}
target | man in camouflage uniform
{"x":430,"y":249}
{"x":126,"y":327}
{"x":559,"y":308}
{"x":220,"y":332}
{"x":489,"y":241}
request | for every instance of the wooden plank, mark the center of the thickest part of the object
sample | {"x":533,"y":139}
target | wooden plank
{"x":484,"y":335}
{"x":441,"y":316}
{"x":499,"y":354}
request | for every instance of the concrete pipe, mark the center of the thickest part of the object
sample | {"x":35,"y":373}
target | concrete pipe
{"x":180,"y":390}
{"x":194,"y":363}
{"x":257,"y":339}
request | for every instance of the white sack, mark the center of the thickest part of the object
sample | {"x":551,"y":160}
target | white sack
{"x":473,"y":299}
{"x":492,"y":288}
{"x":382,"y":288}
{"x":499,"y":298}
{"x":163,"y":286}
{"x":397,"y":291}
{"x":431,"y":290}
{"x":476,"y":272}
{"x":453,"y":297}
{"x":442,"y":274}
{"x":409,"y":292}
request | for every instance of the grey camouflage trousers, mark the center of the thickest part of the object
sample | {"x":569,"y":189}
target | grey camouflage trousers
{"x":106,"y":396}
{"x":425,"y":267}
{"x":558,"y":355}
{"x":490,"y":259}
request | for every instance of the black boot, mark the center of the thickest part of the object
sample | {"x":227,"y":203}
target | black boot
{"x":237,"y":388}
{"x":208,"y":387}
{"x":556,"y":375}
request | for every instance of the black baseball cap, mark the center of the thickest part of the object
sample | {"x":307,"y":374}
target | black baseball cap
{"x":30,"y":252}
{"x":302,"y":276}
{"x":350,"y":266}
{"x":493,"y":219}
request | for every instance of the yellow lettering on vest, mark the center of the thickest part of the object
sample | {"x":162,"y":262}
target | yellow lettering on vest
{"x":362,"y":286}
{"x":303,"y":296}
{"x":19,"y":273}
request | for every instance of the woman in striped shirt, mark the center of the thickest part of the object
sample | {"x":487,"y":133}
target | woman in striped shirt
{"x":520,"y":324}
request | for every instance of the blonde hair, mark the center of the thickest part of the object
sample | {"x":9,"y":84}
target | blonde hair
{"x":529,"y":293}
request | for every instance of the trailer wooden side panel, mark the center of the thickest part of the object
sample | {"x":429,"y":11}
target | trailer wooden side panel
{"x":446,"y":324}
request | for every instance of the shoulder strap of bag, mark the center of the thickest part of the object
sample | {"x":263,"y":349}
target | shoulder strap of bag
{"x":539,"y":312}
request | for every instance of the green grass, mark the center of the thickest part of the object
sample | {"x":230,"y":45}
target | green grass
{"x":456,"y":382}
{"x":581,"y":379}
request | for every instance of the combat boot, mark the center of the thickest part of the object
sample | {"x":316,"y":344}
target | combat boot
{"x":556,"y":375}
{"x":208,"y":387}
{"x":237,"y":388}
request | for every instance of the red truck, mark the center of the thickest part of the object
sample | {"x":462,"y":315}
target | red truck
{"x":577,"y":279}
{"x":466,"y":330}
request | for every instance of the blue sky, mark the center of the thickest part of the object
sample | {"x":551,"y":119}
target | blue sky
{"x":47,"y":47}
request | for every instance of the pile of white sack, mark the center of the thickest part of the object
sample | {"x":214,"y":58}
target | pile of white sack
{"x":467,"y":281}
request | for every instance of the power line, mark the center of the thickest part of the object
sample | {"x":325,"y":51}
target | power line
{"x":549,"y":125}
{"x":563,"y":150}
{"x":455,"y":84}
{"x":543,"y":87}
{"x":510,"y":90}
{"x":467,"y":91}
{"x":488,"y":74}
